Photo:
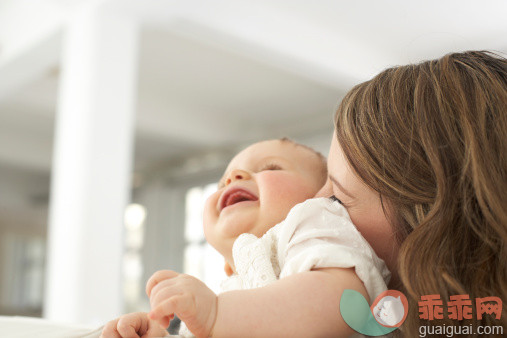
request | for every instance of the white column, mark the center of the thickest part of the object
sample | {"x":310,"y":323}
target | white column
{"x":91,"y":168}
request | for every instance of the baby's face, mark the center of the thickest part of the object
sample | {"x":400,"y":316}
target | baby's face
{"x":259,"y":187}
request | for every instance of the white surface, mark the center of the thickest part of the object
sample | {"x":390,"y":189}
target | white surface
{"x":24,"y":327}
{"x":28,"y":327}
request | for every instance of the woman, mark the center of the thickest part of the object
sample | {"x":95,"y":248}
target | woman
{"x":419,"y":156}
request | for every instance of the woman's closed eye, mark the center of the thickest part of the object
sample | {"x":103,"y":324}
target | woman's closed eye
{"x":334,"y":198}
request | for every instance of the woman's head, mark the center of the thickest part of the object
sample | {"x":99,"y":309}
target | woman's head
{"x":431,"y":141}
{"x":363,"y":204}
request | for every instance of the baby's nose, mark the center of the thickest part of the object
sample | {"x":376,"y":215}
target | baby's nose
{"x":237,"y":174}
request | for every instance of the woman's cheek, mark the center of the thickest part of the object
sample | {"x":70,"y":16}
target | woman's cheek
{"x":372,"y":223}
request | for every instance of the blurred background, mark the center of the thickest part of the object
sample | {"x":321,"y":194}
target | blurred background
{"x":118,"y":117}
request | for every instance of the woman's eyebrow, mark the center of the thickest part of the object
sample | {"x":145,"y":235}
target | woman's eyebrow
{"x":345,"y":191}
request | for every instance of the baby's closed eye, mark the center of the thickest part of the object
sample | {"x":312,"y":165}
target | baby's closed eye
{"x":271,"y":166}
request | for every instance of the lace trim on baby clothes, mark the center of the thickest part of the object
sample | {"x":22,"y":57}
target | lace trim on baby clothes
{"x":233,"y":282}
{"x":253,"y":261}
{"x":184,"y":331}
{"x":270,"y":241}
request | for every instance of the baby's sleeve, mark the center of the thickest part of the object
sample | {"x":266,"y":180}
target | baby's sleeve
{"x":318,"y":233}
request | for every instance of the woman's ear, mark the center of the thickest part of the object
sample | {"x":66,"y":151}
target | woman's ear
{"x":228,"y":269}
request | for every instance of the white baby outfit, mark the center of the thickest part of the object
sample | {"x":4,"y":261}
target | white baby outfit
{"x":317,"y":233}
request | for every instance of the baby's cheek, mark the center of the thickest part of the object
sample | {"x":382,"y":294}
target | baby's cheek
{"x":289,"y":190}
{"x":210,"y":212}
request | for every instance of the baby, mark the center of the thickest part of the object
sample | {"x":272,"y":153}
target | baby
{"x":250,"y":222}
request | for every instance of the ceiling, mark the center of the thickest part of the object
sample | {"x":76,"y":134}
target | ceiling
{"x":213,"y":75}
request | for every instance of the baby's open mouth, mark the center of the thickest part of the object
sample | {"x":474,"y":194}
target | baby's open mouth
{"x":235,"y":196}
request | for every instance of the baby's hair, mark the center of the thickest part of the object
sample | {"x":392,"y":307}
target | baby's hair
{"x":321,"y":157}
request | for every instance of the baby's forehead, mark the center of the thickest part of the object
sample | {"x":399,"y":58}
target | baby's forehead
{"x":271,"y":149}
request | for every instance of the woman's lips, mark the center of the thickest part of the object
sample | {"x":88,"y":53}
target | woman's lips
{"x":235,"y":195}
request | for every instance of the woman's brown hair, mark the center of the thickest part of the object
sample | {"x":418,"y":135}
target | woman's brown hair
{"x":431,"y":139}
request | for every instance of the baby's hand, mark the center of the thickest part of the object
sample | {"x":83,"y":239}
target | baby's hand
{"x":133,"y":325}
{"x":186,"y":296}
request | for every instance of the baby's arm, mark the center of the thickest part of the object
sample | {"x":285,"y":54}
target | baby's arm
{"x":303,"y":304}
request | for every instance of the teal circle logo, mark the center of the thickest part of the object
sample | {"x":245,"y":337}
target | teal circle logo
{"x":386,"y":314}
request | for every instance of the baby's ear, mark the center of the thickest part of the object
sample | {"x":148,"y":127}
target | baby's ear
{"x":228,"y":269}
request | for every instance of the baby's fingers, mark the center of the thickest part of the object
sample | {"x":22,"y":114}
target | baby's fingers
{"x":156,"y":330}
{"x":166,"y":309}
{"x":110,"y":331}
{"x":157,"y":277}
{"x":132,"y":325}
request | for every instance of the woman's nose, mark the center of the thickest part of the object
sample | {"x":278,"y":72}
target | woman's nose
{"x":326,"y":190}
{"x":237,"y":174}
